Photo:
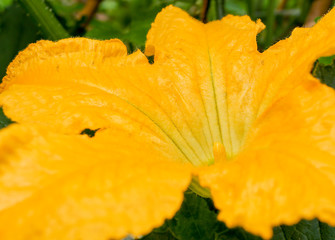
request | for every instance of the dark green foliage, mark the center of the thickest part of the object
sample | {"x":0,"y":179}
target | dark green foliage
{"x":45,"y":19}
{"x":89,"y":132}
{"x":4,"y":4}
{"x":65,"y":14}
{"x":17,"y":30}
{"x":194,"y":221}
{"x":305,"y":230}
{"x":325,"y":71}
{"x":162,"y":233}
{"x":4,"y":121}
{"x":197,"y":220}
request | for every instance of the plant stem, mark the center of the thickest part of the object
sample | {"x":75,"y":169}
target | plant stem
{"x":219,"y":9}
{"x":204,"y":11}
{"x":317,"y":9}
{"x":282,"y":4}
{"x":45,"y":19}
{"x":88,"y":11}
{"x":252,"y":8}
{"x":270,"y":20}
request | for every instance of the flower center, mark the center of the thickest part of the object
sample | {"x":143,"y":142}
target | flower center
{"x":219,"y":152}
{"x":220,"y":155}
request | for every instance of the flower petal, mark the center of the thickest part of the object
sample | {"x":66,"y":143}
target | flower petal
{"x":68,"y":52}
{"x":94,"y":84}
{"x":289,"y":62}
{"x":286,"y":171}
{"x":215,"y":65}
{"x":49,"y":83}
{"x":71,"y":187}
{"x":220,"y":61}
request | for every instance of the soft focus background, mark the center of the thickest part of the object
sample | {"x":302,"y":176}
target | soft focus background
{"x":26,"y":21}
{"x":129,"y":20}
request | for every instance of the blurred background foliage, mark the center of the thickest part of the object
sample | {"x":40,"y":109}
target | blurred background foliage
{"x":129,"y":20}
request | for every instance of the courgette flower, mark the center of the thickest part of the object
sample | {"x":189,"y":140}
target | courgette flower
{"x":253,"y":131}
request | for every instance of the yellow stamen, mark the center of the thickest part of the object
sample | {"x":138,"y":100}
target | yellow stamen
{"x":219,"y":152}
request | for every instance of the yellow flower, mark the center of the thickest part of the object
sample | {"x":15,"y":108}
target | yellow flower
{"x":257,"y":128}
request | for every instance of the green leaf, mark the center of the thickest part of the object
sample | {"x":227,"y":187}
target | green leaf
{"x":305,"y":230}
{"x":195,"y":220}
{"x":104,"y":30}
{"x":325,"y":72}
{"x":159,"y":236}
{"x":236,"y":234}
{"x":4,"y":4}
{"x":17,"y":30}
{"x":65,"y":13}
{"x":326,"y":231}
{"x":161,"y":233}
{"x":4,"y":121}
{"x":326,"y":61}
{"x":45,"y":19}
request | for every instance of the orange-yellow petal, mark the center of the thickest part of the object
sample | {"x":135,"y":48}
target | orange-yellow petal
{"x":89,"y":86}
{"x":55,"y":186}
{"x":57,"y":84}
{"x":229,"y":81}
{"x":289,"y":62}
{"x":68,"y":52}
{"x":209,"y":85}
{"x":215,"y":69}
{"x":286,"y":172}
